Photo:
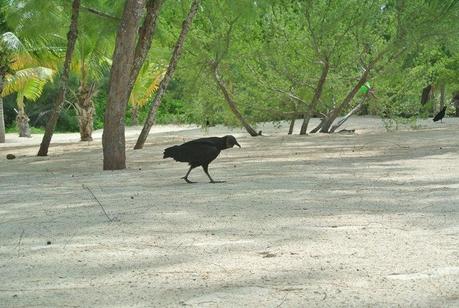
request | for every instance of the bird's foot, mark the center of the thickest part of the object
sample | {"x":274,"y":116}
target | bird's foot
{"x":188,"y":181}
{"x":215,"y":182}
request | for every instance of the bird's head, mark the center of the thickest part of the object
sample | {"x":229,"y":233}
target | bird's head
{"x":230,"y":141}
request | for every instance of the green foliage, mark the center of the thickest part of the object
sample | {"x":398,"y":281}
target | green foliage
{"x":271,"y":55}
{"x":6,"y":58}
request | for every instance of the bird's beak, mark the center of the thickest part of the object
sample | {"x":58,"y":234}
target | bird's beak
{"x":238,"y":144}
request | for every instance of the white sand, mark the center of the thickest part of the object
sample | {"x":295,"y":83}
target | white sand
{"x":370,"y":219}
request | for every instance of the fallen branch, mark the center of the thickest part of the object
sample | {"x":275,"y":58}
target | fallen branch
{"x":18,"y":246}
{"x":100,"y":13}
{"x":347,"y":116}
{"x":97,"y":200}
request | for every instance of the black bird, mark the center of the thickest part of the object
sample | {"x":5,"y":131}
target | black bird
{"x":200,"y":152}
{"x":440,"y":115}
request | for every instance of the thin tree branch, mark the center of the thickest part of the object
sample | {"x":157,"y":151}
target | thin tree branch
{"x":97,"y":200}
{"x":145,"y":34}
{"x":100,"y":13}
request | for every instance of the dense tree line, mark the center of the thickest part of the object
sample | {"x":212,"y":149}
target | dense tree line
{"x":235,"y":62}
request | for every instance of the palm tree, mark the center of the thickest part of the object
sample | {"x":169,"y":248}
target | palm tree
{"x":146,"y":84}
{"x":13,"y":55}
{"x":23,"y":77}
{"x":91,"y":62}
{"x":27,"y":83}
{"x":6,"y":59}
{"x":90,"y":65}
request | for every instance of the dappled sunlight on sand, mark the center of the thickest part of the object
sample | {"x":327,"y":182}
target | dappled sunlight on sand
{"x":369,"y":219}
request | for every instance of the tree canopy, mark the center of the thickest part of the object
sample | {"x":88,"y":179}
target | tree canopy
{"x":246,"y":62}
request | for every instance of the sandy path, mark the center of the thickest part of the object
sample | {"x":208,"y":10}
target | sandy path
{"x":330,"y":220}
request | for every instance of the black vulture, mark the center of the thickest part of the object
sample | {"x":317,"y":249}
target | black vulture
{"x":200,"y":152}
{"x":439,"y":116}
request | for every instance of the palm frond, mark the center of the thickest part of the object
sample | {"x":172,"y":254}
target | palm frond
{"x":29,"y":81}
{"x":12,"y":41}
{"x":21,"y":57}
{"x":147,"y":83}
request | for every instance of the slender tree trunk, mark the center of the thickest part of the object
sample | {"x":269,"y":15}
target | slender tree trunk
{"x":331,"y":116}
{"x":347,"y":116}
{"x":292,"y":125}
{"x":113,"y":139}
{"x":167,"y":77}
{"x":442,"y":95}
{"x":2,"y":116}
{"x":426,"y":95}
{"x":71,"y":39}
{"x":231,"y":103}
{"x":315,"y":98}
{"x":134,"y":115}
{"x":455,"y":102}
{"x":317,"y":128}
{"x":86,"y":110}
{"x":145,"y":35}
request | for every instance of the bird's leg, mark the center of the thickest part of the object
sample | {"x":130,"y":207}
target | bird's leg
{"x":205,"y":167}
{"x":186,"y":175}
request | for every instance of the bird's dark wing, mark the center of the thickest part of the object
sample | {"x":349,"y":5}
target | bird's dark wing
{"x":439,"y":116}
{"x":213,"y":141}
{"x":196,"y":153}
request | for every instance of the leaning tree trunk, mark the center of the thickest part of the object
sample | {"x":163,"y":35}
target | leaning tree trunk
{"x":292,"y":125}
{"x":442,"y":95}
{"x":317,"y":128}
{"x":134,"y":115}
{"x":167,"y":77}
{"x":113,"y":139}
{"x":86,"y":110}
{"x":2,"y":116}
{"x":347,"y":116}
{"x":71,"y":39}
{"x":331,"y":116}
{"x":231,"y":103}
{"x":315,"y":98}
{"x":145,"y":35}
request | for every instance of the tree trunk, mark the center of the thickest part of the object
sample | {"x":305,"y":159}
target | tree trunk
{"x":331,"y":116}
{"x":442,"y":95}
{"x":455,"y":102}
{"x":426,"y":95}
{"x":22,"y":122}
{"x":113,"y":139}
{"x":231,"y":103}
{"x":347,"y":116}
{"x":315,"y":98}
{"x":134,"y":115}
{"x":2,"y":116}
{"x":145,"y":35}
{"x":316,"y":129}
{"x":292,"y":125}
{"x":86,"y":110}
{"x":71,"y":39}
{"x":167,"y":77}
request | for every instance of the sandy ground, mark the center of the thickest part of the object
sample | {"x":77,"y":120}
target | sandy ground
{"x":370,"y":219}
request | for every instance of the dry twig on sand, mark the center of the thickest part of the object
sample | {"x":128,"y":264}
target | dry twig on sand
{"x":95,"y":198}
